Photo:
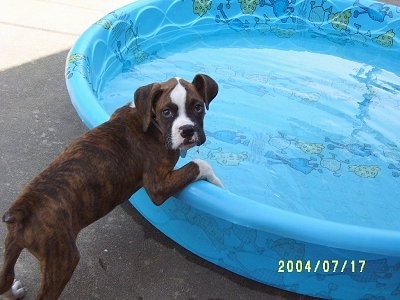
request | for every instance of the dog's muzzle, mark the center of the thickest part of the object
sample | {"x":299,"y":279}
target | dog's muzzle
{"x":187,"y":131}
{"x":192,"y":136}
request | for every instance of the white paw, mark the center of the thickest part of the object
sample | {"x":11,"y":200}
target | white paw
{"x":17,"y":290}
{"x":207,"y":173}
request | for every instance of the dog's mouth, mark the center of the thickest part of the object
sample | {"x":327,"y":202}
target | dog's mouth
{"x":185,"y":146}
{"x":184,"y":143}
{"x":189,"y":143}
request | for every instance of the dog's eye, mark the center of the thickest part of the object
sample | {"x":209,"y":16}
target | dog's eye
{"x":167,"y":113}
{"x":199,"y":107}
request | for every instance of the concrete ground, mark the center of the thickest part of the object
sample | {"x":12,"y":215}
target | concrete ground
{"x":122,"y":255}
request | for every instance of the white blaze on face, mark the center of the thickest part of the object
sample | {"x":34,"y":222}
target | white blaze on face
{"x":178,"y":97}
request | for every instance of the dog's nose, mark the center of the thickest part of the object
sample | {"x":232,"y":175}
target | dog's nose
{"x":187,"y":131}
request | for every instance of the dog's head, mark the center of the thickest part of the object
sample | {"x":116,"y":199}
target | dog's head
{"x":177,"y":108}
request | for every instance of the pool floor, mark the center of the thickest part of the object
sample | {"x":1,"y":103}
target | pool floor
{"x":294,"y":127}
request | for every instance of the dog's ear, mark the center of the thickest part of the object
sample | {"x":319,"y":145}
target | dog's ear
{"x":206,"y":87}
{"x":145,"y":98}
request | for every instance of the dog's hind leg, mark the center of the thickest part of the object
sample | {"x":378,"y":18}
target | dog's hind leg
{"x":11,"y":254}
{"x":57,"y":264}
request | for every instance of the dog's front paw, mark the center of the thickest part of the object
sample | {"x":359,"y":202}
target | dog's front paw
{"x":207,"y":173}
{"x":17,"y":290}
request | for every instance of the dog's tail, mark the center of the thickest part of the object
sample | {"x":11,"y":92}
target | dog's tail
{"x":14,"y":216}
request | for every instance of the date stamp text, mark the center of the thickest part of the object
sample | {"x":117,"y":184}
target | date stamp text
{"x":321,"y":266}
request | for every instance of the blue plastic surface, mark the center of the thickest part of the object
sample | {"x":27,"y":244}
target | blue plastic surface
{"x":304,"y":132}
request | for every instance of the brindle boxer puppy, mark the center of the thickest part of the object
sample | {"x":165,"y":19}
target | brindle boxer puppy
{"x":138,"y":147}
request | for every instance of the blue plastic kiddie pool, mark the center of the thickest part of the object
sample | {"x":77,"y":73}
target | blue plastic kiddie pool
{"x":304,"y":133}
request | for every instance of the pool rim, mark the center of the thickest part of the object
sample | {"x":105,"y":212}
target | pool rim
{"x":242,"y":211}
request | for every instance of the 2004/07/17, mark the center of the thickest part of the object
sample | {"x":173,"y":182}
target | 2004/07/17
{"x":324,"y":266}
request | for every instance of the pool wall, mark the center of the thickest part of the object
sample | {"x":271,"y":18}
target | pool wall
{"x":268,"y":245}
{"x":270,"y":256}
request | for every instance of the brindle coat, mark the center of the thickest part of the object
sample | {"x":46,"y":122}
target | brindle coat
{"x":93,"y":175}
